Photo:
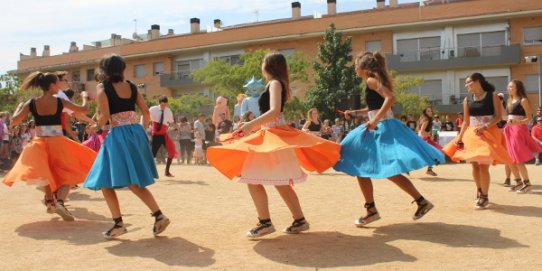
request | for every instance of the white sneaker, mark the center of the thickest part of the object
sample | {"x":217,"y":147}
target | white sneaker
{"x":63,"y":212}
{"x":260,"y":230}
{"x":114,"y":232}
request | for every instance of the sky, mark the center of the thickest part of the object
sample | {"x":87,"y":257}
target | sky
{"x":33,"y":23}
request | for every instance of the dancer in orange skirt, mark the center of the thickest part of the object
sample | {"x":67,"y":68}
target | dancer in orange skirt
{"x":50,"y":160}
{"x":480,"y":142}
{"x":275,"y":154}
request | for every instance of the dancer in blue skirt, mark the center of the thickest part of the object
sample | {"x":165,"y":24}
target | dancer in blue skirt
{"x":383,"y":147}
{"x":125,"y":158}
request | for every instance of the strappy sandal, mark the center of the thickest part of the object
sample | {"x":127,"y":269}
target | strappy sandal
{"x":118,"y":229}
{"x":371,"y":216}
{"x":297,"y":226}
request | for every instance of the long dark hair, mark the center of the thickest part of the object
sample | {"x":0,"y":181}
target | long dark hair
{"x":113,"y":67}
{"x":426,"y":116}
{"x":276,"y":67}
{"x":486,"y":86}
{"x":39,"y":79}
{"x":375,"y":65}
{"x":520,"y":92}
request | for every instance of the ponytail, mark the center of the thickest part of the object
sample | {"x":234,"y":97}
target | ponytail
{"x":39,"y":79}
{"x":375,"y":65}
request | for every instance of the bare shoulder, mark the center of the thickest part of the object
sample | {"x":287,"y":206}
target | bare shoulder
{"x":373,"y":83}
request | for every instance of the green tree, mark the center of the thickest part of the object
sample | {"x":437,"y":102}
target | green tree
{"x":11,"y":94}
{"x":410,"y":103}
{"x":337,"y":83}
{"x":228,"y":80}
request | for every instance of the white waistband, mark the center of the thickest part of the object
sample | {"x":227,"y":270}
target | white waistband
{"x":480,"y":120}
{"x":124,"y":118}
{"x":515,"y":117}
{"x":372,"y":114}
{"x":49,"y":130}
{"x":279,"y":121}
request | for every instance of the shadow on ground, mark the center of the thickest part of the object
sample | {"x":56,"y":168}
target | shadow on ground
{"x":171,"y":251}
{"x":529,"y":211}
{"x":334,"y":249}
{"x":56,"y":229}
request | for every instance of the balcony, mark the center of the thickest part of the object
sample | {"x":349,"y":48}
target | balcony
{"x":176,"y":79}
{"x":455,"y":58}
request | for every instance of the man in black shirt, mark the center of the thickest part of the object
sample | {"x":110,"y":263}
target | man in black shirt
{"x":449,"y":124}
{"x":224,"y":126}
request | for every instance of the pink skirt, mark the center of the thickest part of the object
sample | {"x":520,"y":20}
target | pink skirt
{"x":520,"y":144}
{"x":432,"y":143}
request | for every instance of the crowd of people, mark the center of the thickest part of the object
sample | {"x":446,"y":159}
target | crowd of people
{"x":119,"y":148}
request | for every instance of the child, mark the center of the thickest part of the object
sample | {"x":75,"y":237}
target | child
{"x":125,"y":158}
{"x":198,"y":148}
{"x":50,"y":160}
{"x":425,"y":132}
{"x":275,"y":154}
{"x":94,"y":142}
{"x":383,"y":147}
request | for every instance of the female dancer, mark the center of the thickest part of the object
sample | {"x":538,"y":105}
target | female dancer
{"x":275,"y":154}
{"x":50,"y":160}
{"x":519,"y":142}
{"x":125,"y":158}
{"x":480,"y":142}
{"x":383,"y":147}
{"x":425,"y":124}
{"x":313,"y":124}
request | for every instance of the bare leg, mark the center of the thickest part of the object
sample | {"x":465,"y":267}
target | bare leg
{"x":259,"y":196}
{"x":112,"y":202}
{"x":523,"y":171}
{"x":366,"y":186}
{"x":507,"y":171}
{"x":406,"y":185}
{"x":484,"y":178}
{"x":62,"y":192}
{"x":515,"y":170}
{"x":476,"y":174}
{"x":146,"y":196}
{"x":290,"y":198}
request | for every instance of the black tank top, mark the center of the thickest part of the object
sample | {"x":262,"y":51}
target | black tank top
{"x":116,"y":103}
{"x":43,"y":120}
{"x":264,"y":100}
{"x":481,"y":108}
{"x":373,"y":100}
{"x":314,"y":127}
{"x":517,"y":109}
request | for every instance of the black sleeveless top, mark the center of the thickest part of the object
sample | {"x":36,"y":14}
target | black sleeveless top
{"x":43,"y":120}
{"x":481,"y":108}
{"x":517,"y":109}
{"x":313,"y":127}
{"x":373,"y":100}
{"x":116,"y":103}
{"x":264,"y":100}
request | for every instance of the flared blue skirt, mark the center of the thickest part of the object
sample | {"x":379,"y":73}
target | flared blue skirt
{"x":390,"y":150}
{"x":124,"y":159}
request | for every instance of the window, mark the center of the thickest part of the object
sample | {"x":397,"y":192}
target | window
{"x":480,"y":44}
{"x":287,"y":52}
{"x":185,"y":67}
{"x":432,"y":89}
{"x":500,"y":83}
{"x":157,"y":68}
{"x":373,"y":46}
{"x":90,"y":75}
{"x":139,"y":70}
{"x":531,"y":83}
{"x":427,"y":48}
{"x":532,"y":35}
{"x":232,"y":60}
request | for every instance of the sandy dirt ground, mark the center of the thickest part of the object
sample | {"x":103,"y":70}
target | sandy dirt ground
{"x":211,"y":214}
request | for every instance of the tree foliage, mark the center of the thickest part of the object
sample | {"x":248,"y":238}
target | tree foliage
{"x":337,"y":84}
{"x":410,"y":103}
{"x":228,"y":80}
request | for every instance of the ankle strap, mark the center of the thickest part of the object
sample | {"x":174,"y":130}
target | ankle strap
{"x":369,"y":205}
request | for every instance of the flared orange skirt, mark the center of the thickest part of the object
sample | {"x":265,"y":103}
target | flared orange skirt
{"x":53,"y":161}
{"x":271,"y":151}
{"x":490,"y":146}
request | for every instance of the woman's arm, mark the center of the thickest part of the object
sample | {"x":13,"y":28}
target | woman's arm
{"x":20,"y":114}
{"x":77,"y":108}
{"x":466,"y":120}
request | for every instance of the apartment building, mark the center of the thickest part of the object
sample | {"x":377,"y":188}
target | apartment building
{"x":440,"y":40}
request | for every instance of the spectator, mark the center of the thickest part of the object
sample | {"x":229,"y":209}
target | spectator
{"x":411,"y":123}
{"x":225,"y":125}
{"x":449,"y":124}
{"x":459,"y":121}
{"x":536,"y":134}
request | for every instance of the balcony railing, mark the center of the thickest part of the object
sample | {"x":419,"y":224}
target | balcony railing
{"x":461,"y":57}
{"x":176,"y":79}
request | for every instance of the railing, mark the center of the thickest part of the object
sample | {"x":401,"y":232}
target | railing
{"x":437,"y":53}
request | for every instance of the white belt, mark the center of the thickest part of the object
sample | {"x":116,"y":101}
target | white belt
{"x":49,"y":130}
{"x":515,"y":117}
{"x":124,"y":118}
{"x":279,"y":121}
{"x":372,"y":114}
{"x":480,"y":120}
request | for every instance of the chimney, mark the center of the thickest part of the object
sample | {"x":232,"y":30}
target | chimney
{"x":116,"y":39}
{"x":46,"y":50}
{"x":170,"y":32}
{"x":218,"y":23}
{"x":296,"y":10}
{"x":33,"y":52}
{"x":155,"y":31}
{"x":331,"y":7}
{"x":194,"y":25}
{"x":394,"y":3}
{"x":380,"y":3}
{"x":98,"y":44}
{"x":73,"y":47}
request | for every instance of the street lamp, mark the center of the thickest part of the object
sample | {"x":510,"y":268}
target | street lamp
{"x":535,"y":59}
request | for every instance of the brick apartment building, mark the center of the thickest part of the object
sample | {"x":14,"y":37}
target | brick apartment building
{"x":439,"y":40}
